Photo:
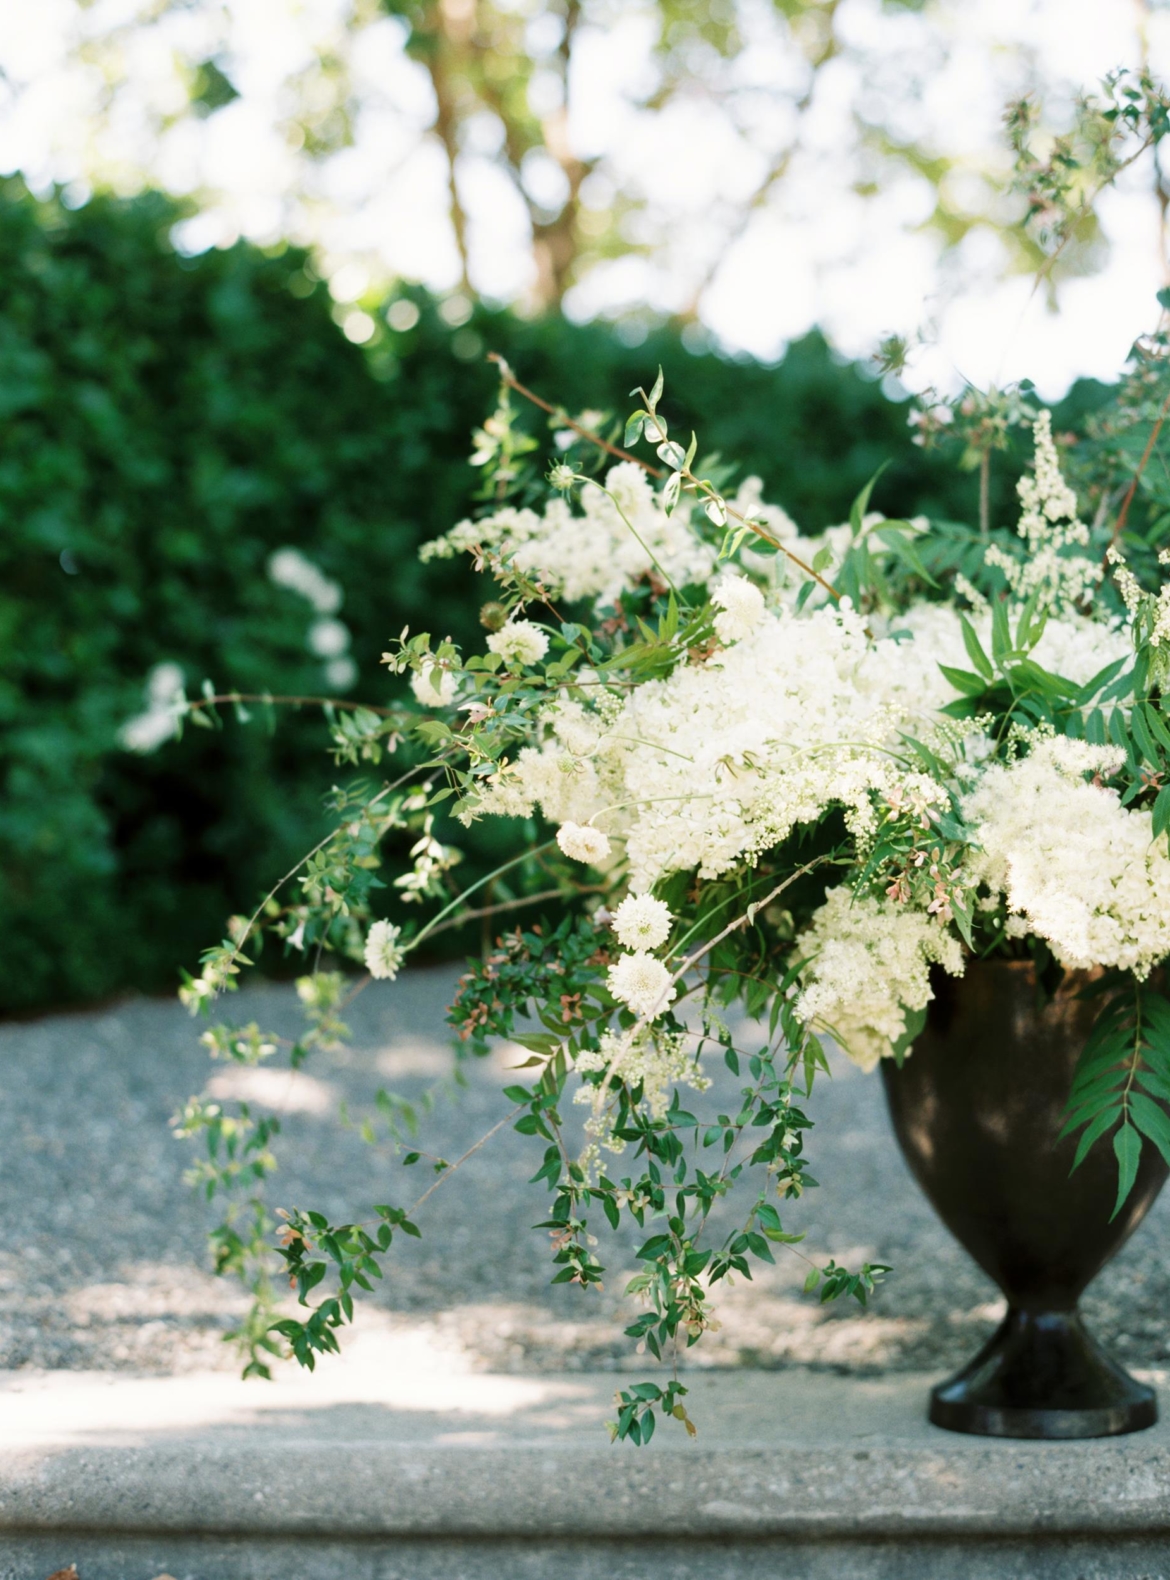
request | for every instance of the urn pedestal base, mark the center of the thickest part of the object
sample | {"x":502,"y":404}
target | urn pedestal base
{"x":1041,"y":1375}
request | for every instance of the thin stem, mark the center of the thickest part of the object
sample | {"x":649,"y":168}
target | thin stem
{"x":1122,"y":514}
{"x":319,"y":702}
{"x":506,"y":905}
{"x":985,"y":492}
{"x":510,"y":379}
{"x":433,"y":924}
{"x":459,"y":1162}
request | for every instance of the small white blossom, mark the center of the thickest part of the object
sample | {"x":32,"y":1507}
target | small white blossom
{"x":642,"y":922}
{"x":870,"y":963}
{"x":653,"y":1059}
{"x":641,"y":982}
{"x":582,"y":842}
{"x":423,"y":684}
{"x":519,"y":642}
{"x":165,"y":703}
{"x":384,"y":954}
{"x":290,"y":568}
{"x":742,"y":607}
{"x":562,"y":477}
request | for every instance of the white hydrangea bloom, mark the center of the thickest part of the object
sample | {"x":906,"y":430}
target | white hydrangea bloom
{"x":641,"y":982}
{"x":434,"y":687}
{"x":384,"y":954}
{"x":870,"y":964}
{"x":580,"y":842}
{"x":1074,"y":866}
{"x":741,"y":606}
{"x":519,"y":642}
{"x":642,"y":922}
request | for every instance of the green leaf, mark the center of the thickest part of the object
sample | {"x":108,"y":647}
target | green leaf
{"x":1103,"y":1122}
{"x":1127,"y":1148}
{"x":963,"y":680}
{"x":1161,"y":813}
{"x":1145,"y":741}
{"x":1001,"y":636}
{"x":861,"y":504}
{"x":975,"y":649}
{"x":1152,"y":1121}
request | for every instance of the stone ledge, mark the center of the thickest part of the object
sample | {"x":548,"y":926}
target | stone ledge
{"x":794,"y":1456}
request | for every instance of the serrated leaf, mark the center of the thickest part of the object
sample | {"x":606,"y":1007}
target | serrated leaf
{"x":1103,"y":1122}
{"x":1152,"y":1121}
{"x":1127,"y":1148}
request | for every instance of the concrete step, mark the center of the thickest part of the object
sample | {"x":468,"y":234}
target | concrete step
{"x":396,"y":1466}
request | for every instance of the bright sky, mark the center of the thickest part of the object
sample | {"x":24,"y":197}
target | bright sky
{"x":819,"y":254}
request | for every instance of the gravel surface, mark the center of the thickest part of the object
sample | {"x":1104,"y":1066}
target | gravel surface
{"x":104,"y":1262}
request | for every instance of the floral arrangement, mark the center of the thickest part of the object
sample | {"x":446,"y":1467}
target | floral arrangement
{"x":771,"y":784}
{"x":790,"y":777}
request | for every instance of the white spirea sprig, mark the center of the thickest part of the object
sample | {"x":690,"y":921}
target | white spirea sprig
{"x":653,"y":1058}
{"x":870,"y":964}
{"x":620,"y":535}
{"x":1050,"y":528}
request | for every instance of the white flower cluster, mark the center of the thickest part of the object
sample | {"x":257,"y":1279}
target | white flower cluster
{"x":654,"y":1058}
{"x":621,"y":535}
{"x":582,"y":842}
{"x":642,"y":922}
{"x":328,"y":637}
{"x":642,"y":983}
{"x":722,"y":760}
{"x":741,"y":607}
{"x":870,"y":964}
{"x":159,"y":722}
{"x":434,"y":687}
{"x":1072,"y":864}
{"x":519,"y":642}
{"x":1049,"y":527}
{"x":384,"y":953}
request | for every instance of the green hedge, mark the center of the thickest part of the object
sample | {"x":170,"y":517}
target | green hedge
{"x":166,"y":423}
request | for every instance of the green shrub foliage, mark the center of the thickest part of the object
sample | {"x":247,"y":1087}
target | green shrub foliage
{"x":168,"y":423}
